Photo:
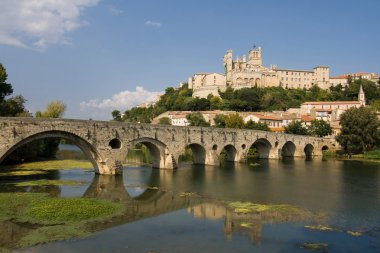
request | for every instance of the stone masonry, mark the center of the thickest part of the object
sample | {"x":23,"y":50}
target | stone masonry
{"x":106,"y":144}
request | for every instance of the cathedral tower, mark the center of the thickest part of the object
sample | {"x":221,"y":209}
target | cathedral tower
{"x":255,"y":57}
{"x":228,"y":65}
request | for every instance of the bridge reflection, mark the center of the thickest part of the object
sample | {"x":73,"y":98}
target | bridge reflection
{"x":155,"y":201}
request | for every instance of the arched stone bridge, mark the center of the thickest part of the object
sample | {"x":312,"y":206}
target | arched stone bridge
{"x":107,"y":143}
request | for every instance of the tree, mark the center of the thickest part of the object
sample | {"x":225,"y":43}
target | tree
{"x":220,"y":120}
{"x":196,"y":119}
{"x":164,"y":121}
{"x":234,"y":121}
{"x":5,"y":88}
{"x":13,"y":106}
{"x":54,"y":109}
{"x":320,"y":128}
{"x":116,"y":115}
{"x":257,"y":126}
{"x":359,"y":131}
{"x":296,"y":127}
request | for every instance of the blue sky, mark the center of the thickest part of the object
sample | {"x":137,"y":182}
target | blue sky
{"x":92,"y":54}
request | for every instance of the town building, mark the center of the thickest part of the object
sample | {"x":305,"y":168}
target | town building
{"x":249,"y":72}
{"x":343,"y":79}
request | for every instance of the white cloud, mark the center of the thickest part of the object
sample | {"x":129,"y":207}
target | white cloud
{"x":151,"y":23}
{"x":120,"y":101}
{"x":114,"y":11}
{"x":40,"y":22}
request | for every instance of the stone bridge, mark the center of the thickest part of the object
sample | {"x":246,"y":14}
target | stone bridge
{"x":106,"y":144}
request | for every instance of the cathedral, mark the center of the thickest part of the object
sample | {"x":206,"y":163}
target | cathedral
{"x":246,"y":73}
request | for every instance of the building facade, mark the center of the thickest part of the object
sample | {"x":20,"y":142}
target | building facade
{"x":249,"y":72}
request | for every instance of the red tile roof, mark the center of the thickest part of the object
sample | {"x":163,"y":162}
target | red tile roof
{"x":331,"y":103}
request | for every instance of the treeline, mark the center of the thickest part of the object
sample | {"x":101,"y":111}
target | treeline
{"x":15,"y":107}
{"x":249,"y":99}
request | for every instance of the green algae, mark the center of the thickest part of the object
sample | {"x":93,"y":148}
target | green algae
{"x":321,"y":228}
{"x":54,"y":218}
{"x":315,"y":246}
{"x":246,"y":224}
{"x":17,"y":173}
{"x":354,"y":233}
{"x":44,"y":182}
{"x":51,"y":165}
{"x":249,"y":207}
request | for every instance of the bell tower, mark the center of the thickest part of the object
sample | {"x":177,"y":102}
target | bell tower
{"x":255,"y":56}
{"x":361,"y":96}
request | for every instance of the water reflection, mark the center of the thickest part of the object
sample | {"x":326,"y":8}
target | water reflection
{"x":344,"y":194}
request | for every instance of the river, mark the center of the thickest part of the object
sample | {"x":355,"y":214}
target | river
{"x":191,"y":209}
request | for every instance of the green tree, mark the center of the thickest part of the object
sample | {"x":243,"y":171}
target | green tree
{"x":197,"y":119}
{"x":5,"y":88}
{"x":116,"y":115}
{"x":54,"y":109}
{"x":234,"y":121}
{"x":257,"y":126}
{"x":320,"y":128}
{"x":220,"y":120}
{"x":359,"y":132}
{"x":11,"y":107}
{"x":296,"y":127}
{"x":164,"y":121}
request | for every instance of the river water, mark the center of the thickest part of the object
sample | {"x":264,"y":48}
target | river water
{"x":185,"y":210}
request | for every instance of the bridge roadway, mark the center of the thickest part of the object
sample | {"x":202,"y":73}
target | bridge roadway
{"x":107,"y":143}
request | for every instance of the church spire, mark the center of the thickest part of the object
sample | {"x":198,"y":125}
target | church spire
{"x":361,"y":96}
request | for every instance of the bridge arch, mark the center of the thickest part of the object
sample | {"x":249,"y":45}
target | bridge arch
{"x":231,"y":153}
{"x":89,"y":150}
{"x":199,"y":153}
{"x":263,"y":147}
{"x":161,"y":158}
{"x":309,"y":150}
{"x":288,"y":149}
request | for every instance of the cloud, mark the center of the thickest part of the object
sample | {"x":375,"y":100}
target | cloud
{"x":114,"y":11}
{"x":37,"y":23}
{"x":120,"y":101}
{"x":154,"y":24}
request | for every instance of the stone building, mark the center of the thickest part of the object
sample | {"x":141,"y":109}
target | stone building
{"x":343,"y":79}
{"x":249,"y":72}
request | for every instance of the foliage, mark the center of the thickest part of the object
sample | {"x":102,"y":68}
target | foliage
{"x":116,"y":115}
{"x":220,"y":120}
{"x":11,"y":107}
{"x":251,"y":99}
{"x":257,"y":126}
{"x":196,"y":119}
{"x":320,"y":128}
{"x":54,"y":109}
{"x":234,"y":121}
{"x":359,"y":130}
{"x":5,"y":88}
{"x":164,"y":121}
{"x":295,"y":127}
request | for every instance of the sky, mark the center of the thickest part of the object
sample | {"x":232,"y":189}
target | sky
{"x":101,"y":55}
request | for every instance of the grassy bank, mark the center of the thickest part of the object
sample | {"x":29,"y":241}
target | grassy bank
{"x":370,"y":155}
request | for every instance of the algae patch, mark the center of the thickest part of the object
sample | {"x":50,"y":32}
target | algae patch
{"x":321,"y":228}
{"x":248,"y":207}
{"x":53,"y":218}
{"x":315,"y":246}
{"x":44,"y":182}
{"x":51,"y":165}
